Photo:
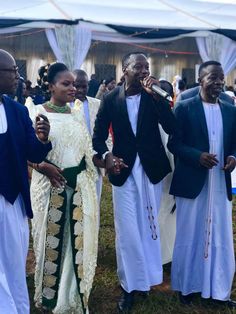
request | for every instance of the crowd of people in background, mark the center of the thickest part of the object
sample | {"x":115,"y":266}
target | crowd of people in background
{"x":98,"y":90}
{"x":73,"y":132}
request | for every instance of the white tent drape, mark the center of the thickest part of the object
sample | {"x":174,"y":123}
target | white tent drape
{"x":50,"y":33}
{"x":219,"y":48}
{"x":70,"y":44}
{"x":33,"y":64}
{"x":82,"y":44}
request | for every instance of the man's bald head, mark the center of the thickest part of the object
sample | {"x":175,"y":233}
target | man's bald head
{"x":8,"y":73}
{"x":6,"y":58}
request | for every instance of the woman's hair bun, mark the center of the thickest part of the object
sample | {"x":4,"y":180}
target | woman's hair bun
{"x":47,"y":74}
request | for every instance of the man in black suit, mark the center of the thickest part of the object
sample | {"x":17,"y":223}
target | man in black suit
{"x":205,"y":151}
{"x":136,"y":167}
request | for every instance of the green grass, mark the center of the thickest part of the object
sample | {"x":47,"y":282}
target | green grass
{"x":106,"y":291}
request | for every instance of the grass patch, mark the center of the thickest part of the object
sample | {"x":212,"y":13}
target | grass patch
{"x":106,"y":292}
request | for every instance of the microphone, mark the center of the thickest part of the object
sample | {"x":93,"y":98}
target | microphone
{"x":155,"y":88}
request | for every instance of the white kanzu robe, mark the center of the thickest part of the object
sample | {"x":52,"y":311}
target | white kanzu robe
{"x":14,"y":239}
{"x":138,"y":254}
{"x":203,"y":259}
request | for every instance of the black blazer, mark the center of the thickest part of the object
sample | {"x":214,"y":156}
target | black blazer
{"x":191,"y":140}
{"x":147,"y":142}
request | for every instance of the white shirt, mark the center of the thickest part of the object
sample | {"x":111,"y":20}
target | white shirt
{"x":133,"y":103}
{"x":3,"y":119}
{"x":87,"y":116}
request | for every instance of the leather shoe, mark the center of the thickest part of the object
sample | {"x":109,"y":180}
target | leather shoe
{"x":142,"y":294}
{"x":229,"y":303}
{"x":186,"y":299}
{"x":126,"y":302}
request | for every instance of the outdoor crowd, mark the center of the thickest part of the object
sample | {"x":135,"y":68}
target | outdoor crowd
{"x":57,"y":143}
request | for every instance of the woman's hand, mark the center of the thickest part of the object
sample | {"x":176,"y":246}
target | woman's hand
{"x":53,"y":173}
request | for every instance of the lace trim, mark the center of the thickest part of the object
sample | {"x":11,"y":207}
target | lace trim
{"x":86,"y":259}
{"x":51,"y":263}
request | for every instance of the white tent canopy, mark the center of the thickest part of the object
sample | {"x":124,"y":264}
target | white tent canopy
{"x":185,"y":14}
{"x":94,"y":20}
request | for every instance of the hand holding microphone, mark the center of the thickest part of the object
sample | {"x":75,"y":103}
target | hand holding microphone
{"x":150,"y":84}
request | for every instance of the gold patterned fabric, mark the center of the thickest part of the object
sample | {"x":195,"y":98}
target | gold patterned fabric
{"x":54,"y":236}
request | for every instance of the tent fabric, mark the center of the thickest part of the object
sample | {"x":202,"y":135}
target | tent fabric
{"x":152,"y":21}
{"x":4,"y":23}
{"x":112,"y":33}
{"x":210,"y":48}
{"x":166,"y":14}
{"x":141,"y":32}
{"x":151,"y":33}
{"x":132,"y":22}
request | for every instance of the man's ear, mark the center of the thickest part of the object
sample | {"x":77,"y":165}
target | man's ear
{"x":199,"y":81}
{"x":124,"y":70}
{"x":50,"y":88}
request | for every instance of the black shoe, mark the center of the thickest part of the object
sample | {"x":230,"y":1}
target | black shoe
{"x":142,"y":294}
{"x":229,"y":303}
{"x":126,"y":302}
{"x":186,"y":299}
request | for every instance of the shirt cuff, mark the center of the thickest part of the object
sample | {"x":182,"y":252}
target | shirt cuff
{"x":104,"y":155}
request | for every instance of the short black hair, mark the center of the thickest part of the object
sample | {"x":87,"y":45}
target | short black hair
{"x":125,"y":59}
{"x":108,"y":80}
{"x":79,"y":72}
{"x":206,"y":64}
{"x":181,"y":84}
{"x":167,"y":86}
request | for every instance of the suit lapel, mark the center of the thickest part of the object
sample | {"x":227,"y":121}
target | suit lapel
{"x":12,"y":123}
{"x":9,"y":115}
{"x":225,"y":119}
{"x":141,"y":110}
{"x":123,"y":111}
{"x":199,"y":111}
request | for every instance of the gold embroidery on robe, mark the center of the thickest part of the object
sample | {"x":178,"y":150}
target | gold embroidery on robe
{"x":49,"y":280}
{"x":77,"y":213}
{"x":53,"y":228}
{"x":51,"y":255}
{"x":57,"y":200}
{"x":79,"y":243}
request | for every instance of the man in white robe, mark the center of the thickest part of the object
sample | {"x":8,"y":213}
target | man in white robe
{"x":205,"y":151}
{"x":18,"y":143}
{"x":136,"y":167}
{"x":88,"y":107}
